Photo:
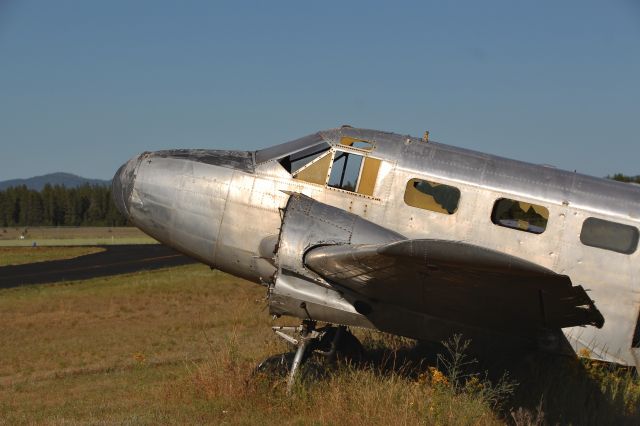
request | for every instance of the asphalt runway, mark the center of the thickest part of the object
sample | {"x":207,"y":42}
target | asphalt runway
{"x":114,"y":260}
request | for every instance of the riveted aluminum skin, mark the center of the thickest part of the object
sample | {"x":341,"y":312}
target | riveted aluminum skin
{"x":224,"y":208}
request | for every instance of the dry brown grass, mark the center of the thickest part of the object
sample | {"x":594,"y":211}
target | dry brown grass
{"x":101,"y":324}
{"x":350,"y":396}
{"x":178,"y":346}
{"x":24,"y":255}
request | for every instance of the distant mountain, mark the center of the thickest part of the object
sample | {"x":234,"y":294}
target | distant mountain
{"x":38,"y":182}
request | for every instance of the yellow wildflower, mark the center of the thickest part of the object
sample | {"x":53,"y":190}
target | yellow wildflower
{"x":437,"y":377}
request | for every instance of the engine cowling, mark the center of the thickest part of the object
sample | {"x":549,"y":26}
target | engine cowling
{"x":298,"y":291}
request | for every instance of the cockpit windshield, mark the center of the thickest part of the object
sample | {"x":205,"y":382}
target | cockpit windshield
{"x":288,"y":148}
{"x":347,"y":166}
{"x":294,"y":162}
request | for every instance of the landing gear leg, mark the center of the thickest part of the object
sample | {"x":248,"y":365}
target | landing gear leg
{"x":307,"y":334}
{"x":330,"y":342}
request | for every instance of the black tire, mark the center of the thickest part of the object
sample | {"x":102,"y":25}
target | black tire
{"x":275,"y":365}
{"x":278,"y":367}
{"x":349,"y":347}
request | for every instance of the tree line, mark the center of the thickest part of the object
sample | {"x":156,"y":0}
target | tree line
{"x":622,"y":178}
{"x":87,"y":205}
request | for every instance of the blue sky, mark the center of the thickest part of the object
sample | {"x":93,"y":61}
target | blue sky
{"x":84,"y":85}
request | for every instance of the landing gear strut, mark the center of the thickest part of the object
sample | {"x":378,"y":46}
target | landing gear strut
{"x":307,"y":335}
{"x":330,"y":342}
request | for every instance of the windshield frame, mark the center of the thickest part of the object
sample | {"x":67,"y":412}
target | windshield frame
{"x":288,"y":148}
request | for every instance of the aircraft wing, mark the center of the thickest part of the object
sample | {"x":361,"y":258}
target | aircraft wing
{"x":458,"y":281}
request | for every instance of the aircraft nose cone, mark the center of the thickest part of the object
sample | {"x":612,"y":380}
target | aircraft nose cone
{"x":122,"y":184}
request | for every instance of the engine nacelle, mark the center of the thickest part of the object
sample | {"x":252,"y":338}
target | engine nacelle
{"x":300,"y":292}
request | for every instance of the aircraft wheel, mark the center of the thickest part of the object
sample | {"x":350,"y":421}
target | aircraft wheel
{"x":348,"y":347}
{"x":278,"y":366}
{"x":275,"y":365}
{"x":314,"y":358}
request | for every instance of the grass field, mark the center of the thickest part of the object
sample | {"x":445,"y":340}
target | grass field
{"x":72,"y":236}
{"x":23,"y":255}
{"x":178,"y":346}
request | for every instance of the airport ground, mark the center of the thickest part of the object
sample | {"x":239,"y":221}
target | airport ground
{"x":71,"y":236}
{"x":178,"y":345}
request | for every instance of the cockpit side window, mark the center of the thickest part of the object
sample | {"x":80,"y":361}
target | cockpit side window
{"x":345,"y":171}
{"x":294,"y":162}
{"x":354,"y":172}
{"x":316,"y":171}
{"x":337,"y":168}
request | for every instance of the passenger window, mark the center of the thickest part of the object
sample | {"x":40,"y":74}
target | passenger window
{"x":433,"y":196}
{"x":357,"y":143}
{"x":520,"y":215}
{"x":609,"y":235}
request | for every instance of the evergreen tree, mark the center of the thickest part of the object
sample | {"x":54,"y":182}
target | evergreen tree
{"x":623,"y":178}
{"x":3,"y":210}
{"x":36,"y":213}
{"x":88,"y":205}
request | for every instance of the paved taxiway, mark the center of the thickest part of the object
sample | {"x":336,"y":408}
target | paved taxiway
{"x":114,"y":260}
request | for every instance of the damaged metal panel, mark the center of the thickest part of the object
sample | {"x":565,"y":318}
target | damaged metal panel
{"x":123,"y":182}
{"x":458,"y":282}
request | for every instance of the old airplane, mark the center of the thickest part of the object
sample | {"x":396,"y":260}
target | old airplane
{"x":355,"y":227}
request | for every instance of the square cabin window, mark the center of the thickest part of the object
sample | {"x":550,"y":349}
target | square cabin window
{"x":520,"y":215}
{"x":608,"y":235}
{"x":433,"y":196}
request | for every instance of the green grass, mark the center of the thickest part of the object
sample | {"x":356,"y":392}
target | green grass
{"x":178,"y":346}
{"x":72,"y":236}
{"x":76,"y":242}
{"x":23,"y":255}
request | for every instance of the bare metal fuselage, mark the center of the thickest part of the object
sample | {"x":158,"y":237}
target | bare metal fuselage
{"x":224,"y":209}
